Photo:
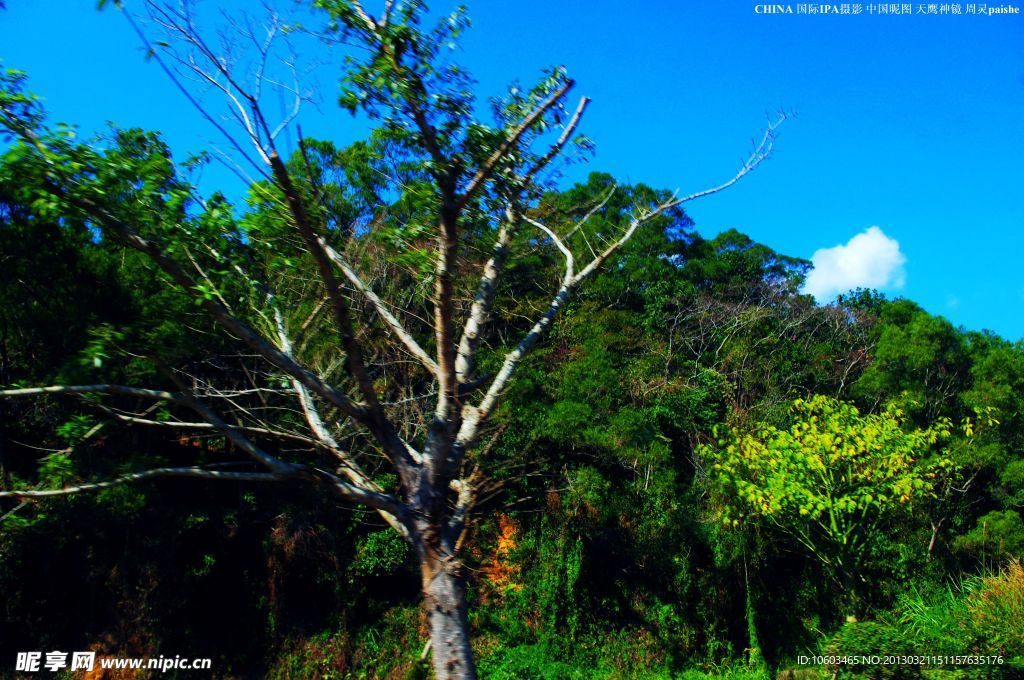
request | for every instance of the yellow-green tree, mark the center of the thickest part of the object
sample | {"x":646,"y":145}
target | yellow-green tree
{"x":831,"y":481}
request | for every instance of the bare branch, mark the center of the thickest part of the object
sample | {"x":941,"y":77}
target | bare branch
{"x":644,"y":217}
{"x":13,"y":511}
{"x":389,"y":319}
{"x":237,"y":438}
{"x":376,"y":500}
{"x":233,"y":433}
{"x":202,"y":425}
{"x":557,"y":147}
{"x":381,"y":502}
{"x":479,"y":311}
{"x":476,"y":415}
{"x":466,"y":490}
{"x":385,"y":16}
{"x":590,"y":213}
{"x":485,"y":171}
{"x":483,"y":299}
{"x":349,"y":467}
{"x":761,"y":152}
{"x":570,"y":262}
{"x":343,"y":321}
{"x":366,"y":18}
{"x":188,"y":95}
{"x":198,"y":472}
{"x":92,"y":389}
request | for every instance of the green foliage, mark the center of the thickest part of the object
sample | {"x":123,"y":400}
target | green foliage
{"x":56,"y":469}
{"x":77,"y":428}
{"x":980,"y":617}
{"x":998,"y":534}
{"x":830,"y":479}
{"x":918,"y":359}
{"x":1012,"y":480}
{"x":379,"y":553}
{"x":870,"y":638}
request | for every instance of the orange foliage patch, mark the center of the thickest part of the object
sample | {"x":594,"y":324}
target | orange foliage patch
{"x":500,"y":571}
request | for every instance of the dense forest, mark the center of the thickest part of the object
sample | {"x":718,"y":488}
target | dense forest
{"x":696,"y":470}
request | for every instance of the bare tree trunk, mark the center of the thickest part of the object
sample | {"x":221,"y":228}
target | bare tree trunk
{"x":445,"y":603}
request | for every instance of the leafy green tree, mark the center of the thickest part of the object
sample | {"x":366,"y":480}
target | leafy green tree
{"x":920,"y":360}
{"x":932,"y":369}
{"x":997,"y":392}
{"x":831,"y":481}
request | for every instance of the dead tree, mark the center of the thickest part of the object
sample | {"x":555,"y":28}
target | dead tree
{"x":475,"y":170}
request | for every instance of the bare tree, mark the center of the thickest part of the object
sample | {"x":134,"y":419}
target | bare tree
{"x":354,"y":421}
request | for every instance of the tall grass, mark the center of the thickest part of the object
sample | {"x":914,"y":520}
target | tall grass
{"x":981,"y":615}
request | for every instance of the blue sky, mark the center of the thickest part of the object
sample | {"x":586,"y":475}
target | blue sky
{"x":904,"y":168}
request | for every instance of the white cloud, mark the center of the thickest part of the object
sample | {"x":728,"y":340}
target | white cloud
{"x":868,"y":260}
